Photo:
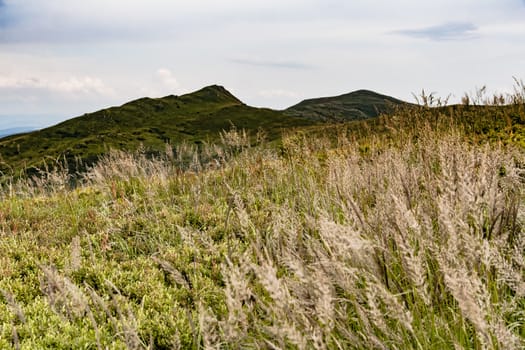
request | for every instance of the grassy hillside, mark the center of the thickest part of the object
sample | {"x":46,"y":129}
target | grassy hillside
{"x":150,"y":123}
{"x":193,"y":118}
{"x":357,"y":105}
{"x":405,"y":232}
{"x":199,"y":117}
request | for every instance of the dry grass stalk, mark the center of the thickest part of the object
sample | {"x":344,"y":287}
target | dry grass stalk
{"x":14,"y":306}
{"x":64,"y":296}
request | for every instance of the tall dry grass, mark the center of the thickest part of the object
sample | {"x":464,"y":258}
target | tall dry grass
{"x":412,"y":242}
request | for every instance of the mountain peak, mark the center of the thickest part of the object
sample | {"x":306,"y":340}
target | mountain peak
{"x":215,"y":93}
{"x":359,"y":104}
{"x":214,"y":87}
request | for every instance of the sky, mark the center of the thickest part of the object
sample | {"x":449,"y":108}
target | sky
{"x":63,"y":58}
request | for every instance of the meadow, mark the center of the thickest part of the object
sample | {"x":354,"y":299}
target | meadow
{"x":405,"y":232}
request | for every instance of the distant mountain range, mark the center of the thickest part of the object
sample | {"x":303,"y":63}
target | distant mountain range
{"x":196,"y":117}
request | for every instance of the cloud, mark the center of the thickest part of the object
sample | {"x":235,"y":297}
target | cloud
{"x":73,"y":86}
{"x":312,"y":47}
{"x":52,"y":97}
{"x":446,"y":31}
{"x":66,"y":21}
{"x":162,"y":82}
{"x":166,"y":78}
{"x":272,"y":64}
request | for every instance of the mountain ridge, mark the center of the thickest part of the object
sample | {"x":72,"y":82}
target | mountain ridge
{"x":195,"y":117}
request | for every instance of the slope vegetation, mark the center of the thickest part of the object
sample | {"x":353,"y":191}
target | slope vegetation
{"x":409,"y":237}
{"x":150,"y":123}
{"x":357,"y":105}
{"x":195,"y":118}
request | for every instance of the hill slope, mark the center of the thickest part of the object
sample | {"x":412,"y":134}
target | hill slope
{"x":357,"y":105}
{"x":150,"y":122}
{"x":195,"y":118}
{"x":405,"y":245}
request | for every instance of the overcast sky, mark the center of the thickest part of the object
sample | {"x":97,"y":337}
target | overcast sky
{"x":62,"y":58}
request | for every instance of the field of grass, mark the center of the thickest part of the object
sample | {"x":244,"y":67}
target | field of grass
{"x":405,"y":232}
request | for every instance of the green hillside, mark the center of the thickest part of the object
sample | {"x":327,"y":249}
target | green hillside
{"x":199,"y":117}
{"x":193,"y":118}
{"x":357,"y":105}
{"x":146,"y":122}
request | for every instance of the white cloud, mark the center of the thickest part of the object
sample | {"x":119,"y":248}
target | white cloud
{"x":166,"y":78}
{"x":161,"y":82}
{"x":73,"y":86}
{"x":36,"y":100}
{"x":445,"y":31}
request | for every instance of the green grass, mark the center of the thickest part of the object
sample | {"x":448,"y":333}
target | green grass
{"x":404,"y":231}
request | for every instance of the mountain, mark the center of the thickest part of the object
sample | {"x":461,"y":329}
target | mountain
{"x":151,"y":122}
{"x":195,"y":117}
{"x":357,"y":105}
